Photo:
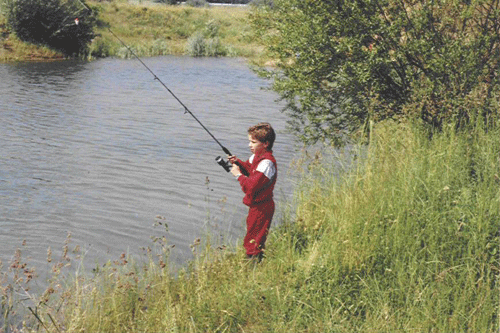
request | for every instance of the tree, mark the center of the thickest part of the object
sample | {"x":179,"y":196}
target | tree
{"x":340,"y":64}
{"x":64,"y":25}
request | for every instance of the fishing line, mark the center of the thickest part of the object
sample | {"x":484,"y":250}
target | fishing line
{"x":220,"y":161}
{"x":186,"y":110}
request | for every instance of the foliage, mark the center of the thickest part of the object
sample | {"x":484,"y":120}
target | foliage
{"x":196,"y":45}
{"x":340,"y":64}
{"x":199,"y":46}
{"x":52,"y":23}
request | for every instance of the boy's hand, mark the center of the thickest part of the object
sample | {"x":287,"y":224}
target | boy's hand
{"x":235,"y":170}
{"x":234,"y":160}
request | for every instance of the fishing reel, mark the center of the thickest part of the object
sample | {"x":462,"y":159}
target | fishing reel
{"x":225,"y":164}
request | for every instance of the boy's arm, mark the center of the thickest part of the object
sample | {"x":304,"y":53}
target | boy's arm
{"x":254,"y":183}
{"x":259,"y":179}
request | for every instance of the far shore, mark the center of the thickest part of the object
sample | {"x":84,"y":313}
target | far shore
{"x":167,"y":32}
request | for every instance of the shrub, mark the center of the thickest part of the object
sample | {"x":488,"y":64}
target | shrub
{"x":52,"y":23}
{"x":206,"y":42}
{"x":195,"y":46}
{"x":214,"y":48}
{"x":199,"y":46}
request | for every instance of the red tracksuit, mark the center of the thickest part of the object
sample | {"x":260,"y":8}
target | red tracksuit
{"x":258,"y":191}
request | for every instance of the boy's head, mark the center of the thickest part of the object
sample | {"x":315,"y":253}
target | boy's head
{"x":264,"y":133}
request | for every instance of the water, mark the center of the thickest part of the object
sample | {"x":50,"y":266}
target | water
{"x":100,"y":150}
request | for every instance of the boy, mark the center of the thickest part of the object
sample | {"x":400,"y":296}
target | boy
{"x":258,"y":187}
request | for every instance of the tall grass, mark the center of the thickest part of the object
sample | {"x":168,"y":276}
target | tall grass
{"x":401,"y":235}
{"x":411,"y":238}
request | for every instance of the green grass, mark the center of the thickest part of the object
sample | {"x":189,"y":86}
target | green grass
{"x":413,"y":233}
{"x":141,"y":26}
{"x":401,"y":235}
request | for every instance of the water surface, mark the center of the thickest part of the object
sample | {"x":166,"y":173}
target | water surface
{"x":100,"y":150}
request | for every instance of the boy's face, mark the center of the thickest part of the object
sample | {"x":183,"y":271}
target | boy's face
{"x":257,"y":147}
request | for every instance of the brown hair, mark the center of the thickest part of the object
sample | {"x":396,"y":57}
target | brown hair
{"x":264,"y":133}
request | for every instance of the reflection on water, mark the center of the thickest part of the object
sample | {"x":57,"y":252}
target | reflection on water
{"x":99,"y":149}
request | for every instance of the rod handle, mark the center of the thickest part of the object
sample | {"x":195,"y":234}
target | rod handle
{"x":244,"y":171}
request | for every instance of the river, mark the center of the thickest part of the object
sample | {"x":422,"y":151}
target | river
{"x":101,"y":151}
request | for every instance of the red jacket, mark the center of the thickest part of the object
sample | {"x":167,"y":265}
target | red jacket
{"x":257,"y":187}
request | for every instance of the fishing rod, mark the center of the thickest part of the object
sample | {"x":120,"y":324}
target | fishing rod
{"x":225,"y":164}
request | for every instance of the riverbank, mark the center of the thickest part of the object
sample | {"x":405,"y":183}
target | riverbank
{"x":397,"y":236}
{"x":152,"y":29}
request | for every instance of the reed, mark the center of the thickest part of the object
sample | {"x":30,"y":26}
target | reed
{"x":399,"y":235}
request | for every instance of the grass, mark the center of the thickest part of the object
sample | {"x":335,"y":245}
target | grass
{"x":401,"y":235}
{"x":141,"y":26}
{"x":155,"y":29}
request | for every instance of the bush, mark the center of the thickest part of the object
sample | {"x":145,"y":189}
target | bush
{"x":195,"y":46}
{"x":53,"y":23}
{"x":199,"y":46}
{"x":214,"y":48}
{"x":206,"y":43}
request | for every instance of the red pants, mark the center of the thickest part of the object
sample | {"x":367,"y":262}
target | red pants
{"x":258,"y":224}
